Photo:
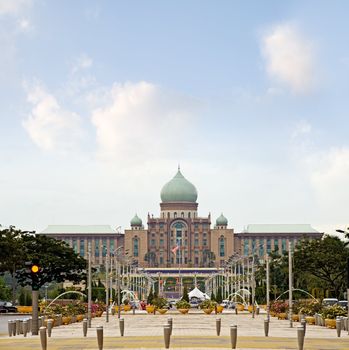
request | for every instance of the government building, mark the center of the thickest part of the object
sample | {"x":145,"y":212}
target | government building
{"x":179,"y":237}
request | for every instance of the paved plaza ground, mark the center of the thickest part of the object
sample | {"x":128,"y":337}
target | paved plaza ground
{"x":192,"y":331}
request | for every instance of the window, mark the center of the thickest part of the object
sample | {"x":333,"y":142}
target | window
{"x":196,"y":260}
{"x":204,"y":242}
{"x":111,"y":244}
{"x":82,"y":247}
{"x":246,"y":246}
{"x":182,"y":215}
{"x":268,"y":245}
{"x":104,"y":247}
{"x":168,"y":215}
{"x":283,"y":245}
{"x":189,"y":215}
{"x":161,"y":225}
{"x":135,"y":246}
{"x":253,"y":246}
{"x":161,"y":260}
{"x":276,"y":244}
{"x":196,"y":226}
{"x":221,"y":246}
{"x":175,"y":214}
{"x":152,"y":242}
{"x":261,"y":247}
{"x":97,"y":247}
{"x":196,"y":242}
{"x":185,"y":242}
{"x":75,"y":245}
{"x":161,"y":242}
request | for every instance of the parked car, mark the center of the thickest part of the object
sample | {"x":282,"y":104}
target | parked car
{"x":6,"y":306}
{"x":343,"y":303}
{"x":329,"y":301}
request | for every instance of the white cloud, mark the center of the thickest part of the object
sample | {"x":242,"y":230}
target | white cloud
{"x":14,"y":7}
{"x":289,"y":57}
{"x":81,"y":63}
{"x":141,"y":119}
{"x":51,"y":127}
{"x":302,"y":128}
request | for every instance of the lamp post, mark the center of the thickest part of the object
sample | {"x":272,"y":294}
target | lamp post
{"x":117,"y":268}
{"x":346,"y":234}
{"x":290,"y":286}
{"x":89,"y":295}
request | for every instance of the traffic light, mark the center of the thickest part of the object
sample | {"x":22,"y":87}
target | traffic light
{"x":34,"y":269}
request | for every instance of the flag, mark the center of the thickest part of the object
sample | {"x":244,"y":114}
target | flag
{"x":174,"y":250}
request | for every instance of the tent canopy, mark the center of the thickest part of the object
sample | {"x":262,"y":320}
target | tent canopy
{"x":196,"y":293}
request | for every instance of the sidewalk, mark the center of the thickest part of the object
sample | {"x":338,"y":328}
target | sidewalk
{"x":195,"y":330}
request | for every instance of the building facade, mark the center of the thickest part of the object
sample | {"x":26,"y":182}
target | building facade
{"x":179,"y":237}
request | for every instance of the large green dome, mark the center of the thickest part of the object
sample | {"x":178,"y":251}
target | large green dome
{"x":179,"y":189}
{"x":222,"y":221}
{"x":136,"y":221}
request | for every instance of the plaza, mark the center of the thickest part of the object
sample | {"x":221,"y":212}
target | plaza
{"x":192,"y":331}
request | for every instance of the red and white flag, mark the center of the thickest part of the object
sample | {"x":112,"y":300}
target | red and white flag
{"x":174,"y":250}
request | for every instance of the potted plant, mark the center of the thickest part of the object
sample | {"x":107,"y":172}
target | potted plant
{"x":329,"y":313}
{"x":183,"y":306}
{"x":127,"y":306}
{"x":208,"y":306}
{"x":160,"y":304}
{"x":280,"y":308}
{"x":150,"y":309}
{"x":310,"y":308}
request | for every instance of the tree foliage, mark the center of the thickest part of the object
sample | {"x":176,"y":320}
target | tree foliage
{"x":185,"y":295}
{"x":324,"y":259}
{"x":57,"y":260}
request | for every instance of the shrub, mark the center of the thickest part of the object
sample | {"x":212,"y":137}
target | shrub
{"x":182,"y":304}
{"x":279,"y":307}
{"x":208,"y":304}
{"x":159,"y":302}
{"x":310,"y":308}
{"x":333,"y":311}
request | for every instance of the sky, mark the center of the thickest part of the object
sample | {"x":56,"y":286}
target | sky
{"x":101,"y":100}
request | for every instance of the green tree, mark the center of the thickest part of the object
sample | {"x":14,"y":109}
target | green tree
{"x":57,"y":260}
{"x":185,"y":295}
{"x":213,"y":297}
{"x":150,"y":296}
{"x":219,"y":298}
{"x":324,"y":259}
{"x":5,"y":291}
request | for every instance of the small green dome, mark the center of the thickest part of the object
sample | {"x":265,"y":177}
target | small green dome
{"x":136,"y":221}
{"x":222,"y":221}
{"x":179,"y":189}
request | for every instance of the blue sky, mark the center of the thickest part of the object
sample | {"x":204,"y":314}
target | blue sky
{"x":100,"y":100}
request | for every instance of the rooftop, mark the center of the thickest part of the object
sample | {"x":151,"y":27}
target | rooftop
{"x":280,"y":228}
{"x":78,"y":229}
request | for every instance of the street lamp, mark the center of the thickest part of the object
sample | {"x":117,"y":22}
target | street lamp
{"x":346,"y":234}
{"x":117,"y":268}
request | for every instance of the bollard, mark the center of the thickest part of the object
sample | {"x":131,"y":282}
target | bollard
{"x":170,"y":323}
{"x":167,"y":335}
{"x":14,"y":326}
{"x":10,"y":326}
{"x":266,"y":327}
{"x":338,"y":326}
{"x":100,"y":337}
{"x":236,"y":310}
{"x":25,"y":327}
{"x":18,"y":331}
{"x":233,"y":336}
{"x":257,"y":310}
{"x":218,"y":326}
{"x":49,"y":327}
{"x":300,"y":337}
{"x":122,"y":326}
{"x":29,"y":325}
{"x":342,"y":323}
{"x":316,"y":319}
{"x":20,"y":326}
{"x":43,"y":338}
{"x":84,"y":326}
{"x":133,"y":309}
{"x":304,"y":325}
{"x":345,"y":320}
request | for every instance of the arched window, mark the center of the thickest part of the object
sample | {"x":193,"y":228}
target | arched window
{"x":221,"y":243}
{"x":135,"y":246}
{"x":168,"y":215}
{"x":175,"y":214}
{"x":189,"y":215}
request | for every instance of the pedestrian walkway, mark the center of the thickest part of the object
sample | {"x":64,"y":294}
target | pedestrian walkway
{"x":192,"y":331}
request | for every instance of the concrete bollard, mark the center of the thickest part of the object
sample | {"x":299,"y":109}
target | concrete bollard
{"x":84,"y":327}
{"x":25,"y":327}
{"x":133,"y":309}
{"x":338,"y":326}
{"x":14,"y":326}
{"x":300,"y":337}
{"x":345,"y":319}
{"x":233,"y":336}
{"x":342,"y":323}
{"x":257,"y":310}
{"x":304,"y":325}
{"x":49,"y":327}
{"x":170,"y":323}
{"x":100,"y":337}
{"x":167,"y":336}
{"x":18,"y":331}
{"x":43,"y":338}
{"x":20,"y":326}
{"x":9,"y":327}
{"x":218,"y":326}
{"x":122,"y":326}
{"x":29,"y":325}
{"x":236,"y":310}
{"x":266,"y":327}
